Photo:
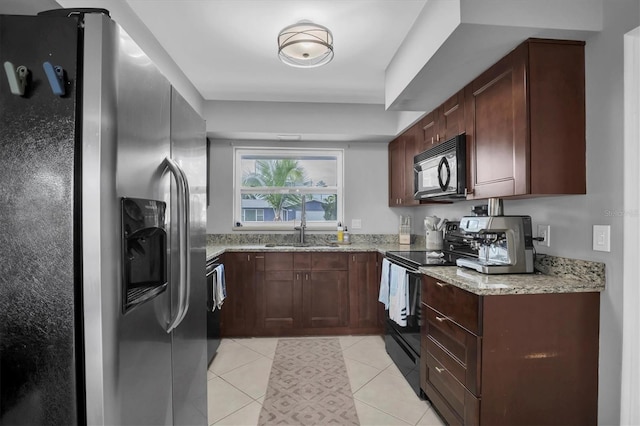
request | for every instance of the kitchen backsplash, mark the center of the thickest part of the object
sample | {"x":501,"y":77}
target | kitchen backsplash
{"x":242,"y":238}
{"x":570,"y":268}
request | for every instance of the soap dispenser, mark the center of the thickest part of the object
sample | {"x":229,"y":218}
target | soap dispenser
{"x":340,"y":234}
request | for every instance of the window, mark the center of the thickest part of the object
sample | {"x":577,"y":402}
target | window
{"x":253,"y":215}
{"x":271,"y":186}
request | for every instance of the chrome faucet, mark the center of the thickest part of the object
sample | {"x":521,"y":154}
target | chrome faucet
{"x":303,"y":219}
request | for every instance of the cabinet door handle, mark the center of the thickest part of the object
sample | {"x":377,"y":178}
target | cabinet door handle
{"x":441,"y":319}
{"x":297,"y":276}
{"x":439,"y":370}
{"x":438,"y":137}
{"x":306,"y":277}
{"x":439,"y":284}
{"x":431,"y":140}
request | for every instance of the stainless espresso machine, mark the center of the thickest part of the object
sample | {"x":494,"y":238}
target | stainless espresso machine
{"x":504,"y":244}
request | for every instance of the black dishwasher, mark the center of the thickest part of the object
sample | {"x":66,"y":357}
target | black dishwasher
{"x":213,"y":312}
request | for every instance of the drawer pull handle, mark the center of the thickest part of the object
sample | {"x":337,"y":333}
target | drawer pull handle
{"x":441,"y":319}
{"x":439,"y":370}
{"x":439,"y":284}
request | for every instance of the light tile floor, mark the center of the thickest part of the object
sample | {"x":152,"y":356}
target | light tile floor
{"x":238,"y":377}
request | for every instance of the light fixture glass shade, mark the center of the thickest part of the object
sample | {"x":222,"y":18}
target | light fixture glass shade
{"x":305,"y":45}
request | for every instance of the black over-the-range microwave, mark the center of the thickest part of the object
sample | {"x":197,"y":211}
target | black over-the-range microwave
{"x":441,"y":172}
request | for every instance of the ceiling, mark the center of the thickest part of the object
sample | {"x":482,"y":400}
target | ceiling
{"x":228,"y":48}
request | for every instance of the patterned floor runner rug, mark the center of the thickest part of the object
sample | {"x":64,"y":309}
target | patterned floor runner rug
{"x":308,"y":385}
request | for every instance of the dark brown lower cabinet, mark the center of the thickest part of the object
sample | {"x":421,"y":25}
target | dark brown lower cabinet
{"x":278,"y":292}
{"x":325,"y":291}
{"x":325,"y":299}
{"x":364,"y":283}
{"x":237,"y":316}
{"x":301,"y":293}
{"x":510,"y":359}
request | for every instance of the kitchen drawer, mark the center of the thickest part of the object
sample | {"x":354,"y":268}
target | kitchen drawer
{"x":456,"y":304}
{"x":278,"y":261}
{"x":278,"y":276}
{"x":450,"y":397}
{"x":302,"y":261}
{"x":329,"y":261}
{"x":454,"y":347}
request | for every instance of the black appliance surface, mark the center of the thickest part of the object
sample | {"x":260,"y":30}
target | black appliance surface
{"x":440,"y":171}
{"x":40,"y":297}
{"x":213,"y":315}
{"x":144,"y":251}
{"x":421,"y":258}
{"x":403,"y":342}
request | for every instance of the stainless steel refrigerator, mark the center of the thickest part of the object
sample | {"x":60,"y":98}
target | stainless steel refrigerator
{"x":102,"y":230}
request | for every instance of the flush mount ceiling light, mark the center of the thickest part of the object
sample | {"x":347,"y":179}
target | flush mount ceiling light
{"x":305,"y":45}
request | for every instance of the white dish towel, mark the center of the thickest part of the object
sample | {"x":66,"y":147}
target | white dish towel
{"x":398,"y":295}
{"x":219,"y":289}
{"x":383,"y":296}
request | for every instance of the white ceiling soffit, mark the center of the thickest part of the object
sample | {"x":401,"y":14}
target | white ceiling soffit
{"x":312,"y":121}
{"x":452,"y":41}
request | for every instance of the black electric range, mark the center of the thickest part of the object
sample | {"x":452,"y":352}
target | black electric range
{"x":415,"y":258}
{"x":403,"y":342}
{"x":454,"y":247}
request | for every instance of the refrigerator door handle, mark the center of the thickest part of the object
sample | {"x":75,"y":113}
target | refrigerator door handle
{"x":184,"y":252}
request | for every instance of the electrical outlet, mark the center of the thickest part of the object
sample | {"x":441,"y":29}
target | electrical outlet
{"x":356,"y":224}
{"x":602,"y":237}
{"x":544,"y":232}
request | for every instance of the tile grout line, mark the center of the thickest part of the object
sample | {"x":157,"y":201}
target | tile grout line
{"x":368,"y":381}
{"x":242,"y":365}
{"x":353,"y":391}
{"x":388,"y":414}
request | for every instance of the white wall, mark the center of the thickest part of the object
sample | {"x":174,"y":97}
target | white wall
{"x":22,"y":7}
{"x":365,"y":192}
{"x":341,"y":122}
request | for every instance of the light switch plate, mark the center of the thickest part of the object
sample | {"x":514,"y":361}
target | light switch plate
{"x":602,"y":238}
{"x":356,"y":224}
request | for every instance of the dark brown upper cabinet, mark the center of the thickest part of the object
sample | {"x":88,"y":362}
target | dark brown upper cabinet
{"x":525,"y":123}
{"x":442,"y":123}
{"x":401,"y":152}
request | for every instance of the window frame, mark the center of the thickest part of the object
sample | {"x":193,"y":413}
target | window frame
{"x":287,"y":152}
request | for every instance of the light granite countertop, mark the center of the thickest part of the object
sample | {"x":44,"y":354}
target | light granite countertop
{"x":537,"y":283}
{"x":216,"y":250}
{"x":561,"y":275}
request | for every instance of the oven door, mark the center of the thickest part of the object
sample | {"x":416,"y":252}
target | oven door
{"x":402,"y":343}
